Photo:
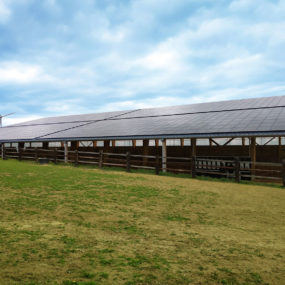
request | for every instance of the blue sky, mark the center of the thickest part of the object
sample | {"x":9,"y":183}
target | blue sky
{"x":60,"y":57}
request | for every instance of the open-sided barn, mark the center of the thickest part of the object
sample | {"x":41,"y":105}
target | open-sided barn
{"x":252,"y":129}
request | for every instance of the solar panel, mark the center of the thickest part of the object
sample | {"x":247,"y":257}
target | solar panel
{"x":228,"y":117}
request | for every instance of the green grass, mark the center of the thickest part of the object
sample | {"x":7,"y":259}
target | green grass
{"x":67,"y":225}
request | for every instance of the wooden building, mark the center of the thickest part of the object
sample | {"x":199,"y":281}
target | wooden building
{"x":253,"y":129}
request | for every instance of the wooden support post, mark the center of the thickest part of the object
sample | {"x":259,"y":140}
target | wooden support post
{"x":55,"y":156}
{"x":237,"y":170}
{"x":280,"y":156}
{"x":253,"y":156}
{"x":20,"y":153}
{"x":65,"y":152}
{"x":243,"y":141}
{"x":106,"y":144}
{"x":134,"y":143}
{"x":3,"y":151}
{"x":45,"y":145}
{"x":156,"y":143}
{"x":145,"y":151}
{"x":193,"y":146}
{"x":182,"y":142}
{"x":36,"y":154}
{"x":113,"y":143}
{"x":157,"y":165}
{"x":128,"y":162}
{"x":94,"y":144}
{"x":283,"y":172}
{"x":76,"y":158}
{"x":101,"y":158}
{"x":193,"y":166}
{"x":74,"y":145}
{"x":164,"y":155}
{"x":210,"y":142}
{"x":193,"y":156}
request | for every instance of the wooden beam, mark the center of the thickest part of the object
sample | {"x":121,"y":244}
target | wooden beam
{"x":134,"y":143}
{"x":164,"y":156}
{"x":227,"y":142}
{"x":156,"y":143}
{"x":113,"y":143}
{"x":213,"y":141}
{"x":193,"y":147}
{"x":145,"y":151}
{"x":106,"y":143}
{"x":45,"y":145}
{"x":182,"y":142}
{"x":94,"y":143}
{"x":252,"y":153}
{"x":279,"y":141}
{"x":269,"y":140}
{"x":243,"y":141}
{"x":210,"y":142}
{"x":74,"y":145}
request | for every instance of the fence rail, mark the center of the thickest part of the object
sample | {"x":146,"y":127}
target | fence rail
{"x":237,"y":168}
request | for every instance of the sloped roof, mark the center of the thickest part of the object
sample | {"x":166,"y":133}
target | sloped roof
{"x":256,"y":117}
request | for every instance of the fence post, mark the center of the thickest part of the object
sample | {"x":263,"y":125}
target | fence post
{"x":20,"y":154}
{"x":283,"y":172}
{"x":36,"y":154}
{"x":65,"y":152}
{"x":193,"y":166}
{"x":101,"y":158}
{"x":76,"y":158}
{"x":3,"y":151}
{"x":55,"y":156}
{"x":128,"y":162}
{"x":237,"y":170}
{"x":157,"y":164}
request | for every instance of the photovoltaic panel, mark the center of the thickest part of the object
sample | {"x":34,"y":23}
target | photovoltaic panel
{"x":208,"y":123}
{"x":32,"y":132}
{"x":73,"y":118}
{"x":261,"y":115}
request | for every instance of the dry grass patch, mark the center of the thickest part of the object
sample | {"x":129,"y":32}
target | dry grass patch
{"x":65,"y":225}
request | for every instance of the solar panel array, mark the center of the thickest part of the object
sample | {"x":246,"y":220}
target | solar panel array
{"x":259,"y":116}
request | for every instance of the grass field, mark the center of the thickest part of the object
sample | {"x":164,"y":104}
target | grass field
{"x":66,"y":225}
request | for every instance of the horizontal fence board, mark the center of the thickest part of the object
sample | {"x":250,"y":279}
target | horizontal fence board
{"x":230,"y":168}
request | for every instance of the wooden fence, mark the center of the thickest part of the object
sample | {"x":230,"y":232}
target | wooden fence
{"x":232,"y":168}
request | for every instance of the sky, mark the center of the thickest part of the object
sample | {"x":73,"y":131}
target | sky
{"x":62,"y":57}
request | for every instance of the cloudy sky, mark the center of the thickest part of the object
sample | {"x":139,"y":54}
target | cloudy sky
{"x":61,"y":57}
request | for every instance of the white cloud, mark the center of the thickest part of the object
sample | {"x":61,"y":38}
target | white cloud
{"x":7,"y":121}
{"x":21,"y":73}
{"x":4,"y":11}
